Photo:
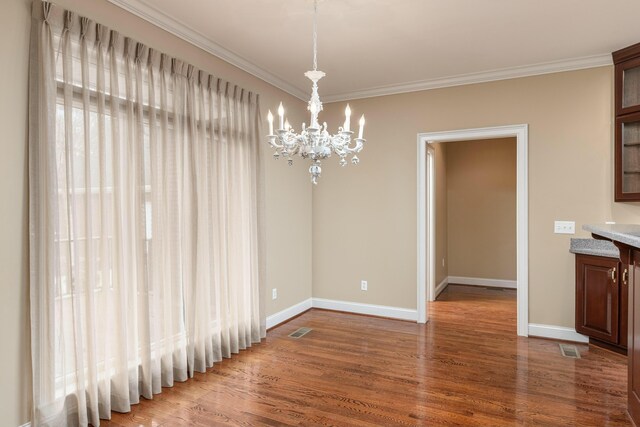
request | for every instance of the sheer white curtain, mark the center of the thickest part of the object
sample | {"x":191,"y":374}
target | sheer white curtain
{"x":145,"y":207}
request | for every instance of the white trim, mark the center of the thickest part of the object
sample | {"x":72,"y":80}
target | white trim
{"x":522,"y":225}
{"x":478,"y":281}
{"x":288,"y":313}
{"x":423,"y":224}
{"x":27,"y":424}
{"x":556,"y":333}
{"x":370,"y":309}
{"x":350,"y":307}
{"x":431,"y":223}
{"x":182,"y":30}
{"x":520,"y":132}
{"x":480,"y":77}
{"x":441,"y":287}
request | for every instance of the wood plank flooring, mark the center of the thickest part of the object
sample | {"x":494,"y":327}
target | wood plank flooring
{"x":466,"y":367}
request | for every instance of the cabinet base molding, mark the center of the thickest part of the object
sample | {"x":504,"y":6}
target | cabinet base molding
{"x":608,"y":346}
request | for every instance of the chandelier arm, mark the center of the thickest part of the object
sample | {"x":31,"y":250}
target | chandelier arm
{"x":292,"y":150}
{"x":274,"y":144}
{"x":289,"y":142}
{"x":358,"y":147}
{"x":340,"y":140}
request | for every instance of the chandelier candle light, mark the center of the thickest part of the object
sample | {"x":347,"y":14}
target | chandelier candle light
{"x":315,"y":142}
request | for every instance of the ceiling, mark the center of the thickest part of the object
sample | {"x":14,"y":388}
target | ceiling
{"x":376,"y":47}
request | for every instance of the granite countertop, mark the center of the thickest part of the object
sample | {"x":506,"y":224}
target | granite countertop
{"x":594,"y":247}
{"x":628,"y":234}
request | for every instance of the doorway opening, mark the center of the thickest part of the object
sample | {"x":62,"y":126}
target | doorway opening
{"x":427,"y":214}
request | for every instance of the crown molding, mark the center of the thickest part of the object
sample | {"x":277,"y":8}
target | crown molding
{"x":481,"y":77}
{"x":151,"y":14}
{"x":183,"y":31}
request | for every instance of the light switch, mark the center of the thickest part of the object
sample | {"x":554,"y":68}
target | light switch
{"x":564,"y":227}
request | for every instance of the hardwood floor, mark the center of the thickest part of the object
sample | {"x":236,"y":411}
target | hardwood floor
{"x":466,"y":367}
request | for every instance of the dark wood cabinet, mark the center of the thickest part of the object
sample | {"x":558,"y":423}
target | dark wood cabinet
{"x":626,"y":237}
{"x":634,"y":337}
{"x":627,"y":133}
{"x":630,"y":257}
{"x":601,"y":300}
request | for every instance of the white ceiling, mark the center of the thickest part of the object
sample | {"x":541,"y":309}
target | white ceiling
{"x":372,"y":47}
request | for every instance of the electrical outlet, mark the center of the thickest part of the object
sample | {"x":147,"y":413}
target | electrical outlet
{"x":274,"y":293}
{"x":443,"y":262}
{"x":363,"y":285}
{"x":564,"y":227}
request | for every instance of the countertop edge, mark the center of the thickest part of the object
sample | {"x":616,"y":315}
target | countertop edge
{"x":602,"y":248}
{"x":628,"y":234}
{"x":594,"y":253}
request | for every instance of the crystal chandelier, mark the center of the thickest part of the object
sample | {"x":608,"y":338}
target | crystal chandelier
{"x":315,"y":142}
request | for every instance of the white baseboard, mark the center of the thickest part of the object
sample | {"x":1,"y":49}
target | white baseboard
{"x":370,"y":309}
{"x":556,"y":332}
{"x":350,"y":307}
{"x":478,"y":281}
{"x":27,"y":424}
{"x":441,"y":286}
{"x":288,"y":313}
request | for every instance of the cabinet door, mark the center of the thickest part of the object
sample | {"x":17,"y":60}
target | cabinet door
{"x":627,"y":85}
{"x":597,"y":297}
{"x":634,"y":336}
{"x":627,"y":158}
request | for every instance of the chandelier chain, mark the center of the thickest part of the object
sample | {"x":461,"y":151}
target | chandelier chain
{"x":315,"y":35}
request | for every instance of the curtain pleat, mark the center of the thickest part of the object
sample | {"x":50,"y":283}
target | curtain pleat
{"x":146,"y":245}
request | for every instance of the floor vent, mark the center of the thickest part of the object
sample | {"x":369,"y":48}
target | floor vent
{"x":299,"y":333}
{"x":569,"y":350}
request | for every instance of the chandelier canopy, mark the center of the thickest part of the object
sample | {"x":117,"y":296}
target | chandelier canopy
{"x":314,"y":142}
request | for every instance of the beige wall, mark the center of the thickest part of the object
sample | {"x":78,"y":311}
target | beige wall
{"x":481,"y":197}
{"x":288,"y":190}
{"x":365,"y":218}
{"x":364,"y":223}
{"x":440,"y":153}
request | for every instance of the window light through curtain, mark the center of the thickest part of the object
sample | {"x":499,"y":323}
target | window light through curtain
{"x":145,"y":196}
